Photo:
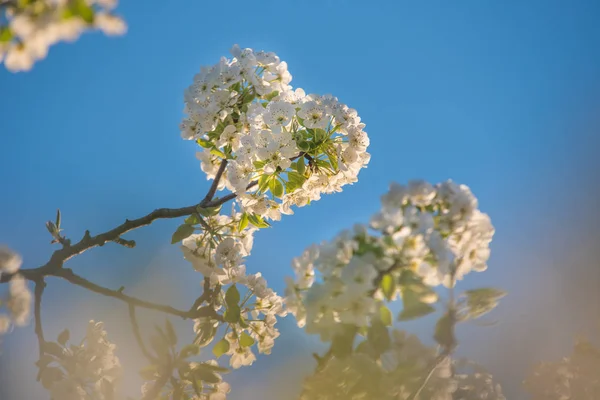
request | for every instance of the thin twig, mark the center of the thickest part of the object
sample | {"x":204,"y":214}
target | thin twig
{"x":138,"y":337}
{"x":215,"y":184}
{"x":75,"y":279}
{"x":37,"y":312}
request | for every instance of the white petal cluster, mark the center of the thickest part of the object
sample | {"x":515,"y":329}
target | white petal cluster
{"x":293,"y":146}
{"x":91,"y":367}
{"x":18,"y":300}
{"x":435,"y":232}
{"x":219,"y":253}
{"x":35,"y":26}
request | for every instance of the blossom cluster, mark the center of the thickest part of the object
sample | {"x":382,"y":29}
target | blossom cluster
{"x":422,"y":237}
{"x":18,"y":300}
{"x":34,"y":26}
{"x":399,"y":375}
{"x":287,"y":146}
{"x":76,"y":371}
{"x":219,"y":253}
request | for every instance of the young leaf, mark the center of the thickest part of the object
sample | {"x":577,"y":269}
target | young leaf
{"x":63,"y":337}
{"x":243,"y":222}
{"x":276,"y":187}
{"x":189,"y":350}
{"x":482,"y":301}
{"x":444,"y":332}
{"x":218,"y":153}
{"x":246,"y":340}
{"x":204,"y":143}
{"x":181,"y":233}
{"x":232,"y":315}
{"x":386,"y":315}
{"x":221,"y":348}
{"x":388,"y":286}
{"x":232,"y":296}
{"x":300,"y":167}
{"x":206,"y":333}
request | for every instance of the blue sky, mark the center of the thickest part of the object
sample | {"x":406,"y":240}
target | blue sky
{"x":499,"y":95}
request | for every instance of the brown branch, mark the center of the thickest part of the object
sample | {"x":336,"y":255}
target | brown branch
{"x":75,"y":279}
{"x":114,"y":235}
{"x":37,"y":311}
{"x":215,"y":184}
{"x":138,"y":337}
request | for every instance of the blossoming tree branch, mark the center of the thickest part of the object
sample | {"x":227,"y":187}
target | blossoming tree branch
{"x":29,"y":27}
{"x":273,"y":148}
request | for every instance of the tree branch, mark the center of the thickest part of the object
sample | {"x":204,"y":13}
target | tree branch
{"x":75,"y":279}
{"x":215,"y":184}
{"x":40,"y":285}
{"x":59,"y":257}
{"x":138,"y":337}
{"x":154,"y":391}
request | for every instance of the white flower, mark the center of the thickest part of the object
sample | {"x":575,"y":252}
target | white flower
{"x":314,"y":115}
{"x":10,"y":262}
{"x":110,"y":24}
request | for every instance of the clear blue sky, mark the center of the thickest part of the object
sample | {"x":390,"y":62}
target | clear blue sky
{"x":497,"y":94}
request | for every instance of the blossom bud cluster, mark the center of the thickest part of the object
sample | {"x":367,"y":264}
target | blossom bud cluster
{"x":18,"y":300}
{"x":34,"y":26}
{"x":73,"y":372}
{"x":423,"y":236}
{"x":289,"y":147}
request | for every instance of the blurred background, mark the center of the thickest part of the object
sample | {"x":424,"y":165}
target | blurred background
{"x":500,"y":95}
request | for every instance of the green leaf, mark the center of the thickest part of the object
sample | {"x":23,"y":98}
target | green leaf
{"x":58,"y":219}
{"x":388,"y":286}
{"x":208,"y":211}
{"x":300,"y":167}
{"x":246,"y":340}
{"x":386,"y":315}
{"x":232,"y":296}
{"x":81,"y":8}
{"x":303,"y":145}
{"x":258,"y":221}
{"x":218,"y":153}
{"x":189,"y":350}
{"x":232,"y":314}
{"x":53,"y":348}
{"x":6,"y":34}
{"x":206,"y":333}
{"x":181,"y":233}
{"x":482,"y":301}
{"x":271,"y":95}
{"x":259,"y":164}
{"x":171,"y":335}
{"x":204,"y":143}
{"x":221,"y":348}
{"x":63,"y":337}
{"x":192,"y":219}
{"x":415,"y":311}
{"x":444,"y":332}
{"x":243,"y":222}
{"x":276,"y":187}
{"x":263,"y":182}
{"x":204,"y":374}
